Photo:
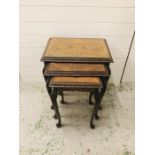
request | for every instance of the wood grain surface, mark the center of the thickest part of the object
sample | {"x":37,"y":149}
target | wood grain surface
{"x":76,"y":69}
{"x":77,"y":48}
{"x":77,"y":81}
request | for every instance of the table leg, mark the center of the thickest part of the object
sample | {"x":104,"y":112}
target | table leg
{"x":90,"y":98}
{"x":49,"y":91}
{"x":47,"y":83}
{"x":54,"y":101}
{"x":62,"y":97}
{"x":96,"y":106}
{"x":104,"y":83}
{"x":101,"y":94}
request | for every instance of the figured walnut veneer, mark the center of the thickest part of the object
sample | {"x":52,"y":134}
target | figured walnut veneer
{"x":75,"y":81}
{"x":76,"y":49}
{"x":76,"y":69}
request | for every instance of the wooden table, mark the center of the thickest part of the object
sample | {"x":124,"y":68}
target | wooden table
{"x":67,"y":58}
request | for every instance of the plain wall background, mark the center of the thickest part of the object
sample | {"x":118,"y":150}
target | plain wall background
{"x":109,"y":19}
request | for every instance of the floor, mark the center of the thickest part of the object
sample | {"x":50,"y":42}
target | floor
{"x":114,"y":133}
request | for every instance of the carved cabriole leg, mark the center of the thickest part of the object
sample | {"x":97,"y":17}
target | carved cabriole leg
{"x":101,"y":94}
{"x":90,"y":98}
{"x":62,"y":97}
{"x":54,"y":101}
{"x":104,"y":83}
{"x":47,"y":79}
{"x":96,"y":105}
{"x":49,"y":91}
{"x":100,"y":107}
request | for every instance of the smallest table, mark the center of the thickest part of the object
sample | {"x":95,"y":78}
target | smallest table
{"x":91,"y":84}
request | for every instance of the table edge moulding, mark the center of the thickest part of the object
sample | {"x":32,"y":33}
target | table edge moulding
{"x":74,"y":50}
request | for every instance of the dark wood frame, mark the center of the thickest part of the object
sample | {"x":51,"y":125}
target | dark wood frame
{"x":53,"y":93}
{"x":98,"y":93}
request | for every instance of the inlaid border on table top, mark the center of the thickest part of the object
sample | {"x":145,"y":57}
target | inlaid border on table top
{"x":77,"y":72}
{"x":78,"y":59}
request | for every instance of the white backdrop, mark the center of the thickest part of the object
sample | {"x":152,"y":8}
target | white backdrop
{"x":41,"y":19}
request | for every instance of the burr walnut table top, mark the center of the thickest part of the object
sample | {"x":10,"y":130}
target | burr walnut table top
{"x":76,"y":49}
{"x":75,"y":69}
{"x":75,"y":81}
